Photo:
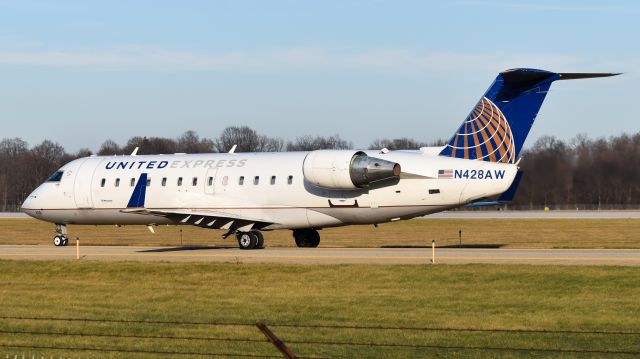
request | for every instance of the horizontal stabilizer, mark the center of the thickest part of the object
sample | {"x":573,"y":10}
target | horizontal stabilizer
{"x":586,"y":75}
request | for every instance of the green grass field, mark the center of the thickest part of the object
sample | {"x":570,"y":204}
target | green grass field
{"x":463,"y":296}
{"x":509,"y":233}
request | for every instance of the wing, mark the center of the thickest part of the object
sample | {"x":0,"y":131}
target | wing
{"x":205,"y":219}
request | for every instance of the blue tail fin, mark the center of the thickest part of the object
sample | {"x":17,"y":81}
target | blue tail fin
{"x":508,"y":195}
{"x":137,"y":197}
{"x":498,"y":125}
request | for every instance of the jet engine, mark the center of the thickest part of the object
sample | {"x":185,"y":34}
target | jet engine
{"x":339,"y":169}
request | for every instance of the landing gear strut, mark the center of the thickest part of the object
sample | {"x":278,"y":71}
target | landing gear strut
{"x":306,"y":237}
{"x":61,"y":238}
{"x":250,"y":240}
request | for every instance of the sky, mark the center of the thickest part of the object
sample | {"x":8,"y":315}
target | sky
{"x":80,"y":72}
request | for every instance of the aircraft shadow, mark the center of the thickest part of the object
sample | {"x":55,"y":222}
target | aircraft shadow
{"x":469,"y":246}
{"x":184,"y":248}
{"x":487,"y":246}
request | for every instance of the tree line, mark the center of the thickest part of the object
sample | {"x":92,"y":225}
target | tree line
{"x":580,"y":173}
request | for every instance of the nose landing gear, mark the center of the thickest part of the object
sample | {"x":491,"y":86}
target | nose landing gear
{"x":61,"y":238}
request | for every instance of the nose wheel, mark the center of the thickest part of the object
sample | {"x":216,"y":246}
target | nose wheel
{"x":59,"y":241}
{"x":61,"y":238}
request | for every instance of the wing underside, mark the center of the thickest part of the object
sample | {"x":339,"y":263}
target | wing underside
{"x":205,"y":219}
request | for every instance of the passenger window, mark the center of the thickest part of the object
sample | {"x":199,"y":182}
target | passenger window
{"x":56,"y":177}
{"x":164,"y":181}
{"x":194,"y":181}
{"x":148,"y":182}
{"x":133,"y":182}
{"x":290,"y":180}
{"x":102,"y":182}
{"x":225,"y":180}
{"x":179,"y":181}
{"x":273,"y":180}
{"x":256,"y":180}
{"x":241,"y":180}
{"x":434,"y":191}
{"x":117,"y":182}
{"x":210,"y":181}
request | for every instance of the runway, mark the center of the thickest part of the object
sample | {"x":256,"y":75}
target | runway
{"x":329,"y":255}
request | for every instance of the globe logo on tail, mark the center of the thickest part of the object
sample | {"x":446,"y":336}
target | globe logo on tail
{"x":484,"y":135}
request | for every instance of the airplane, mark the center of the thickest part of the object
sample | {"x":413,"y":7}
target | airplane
{"x":248,"y":193}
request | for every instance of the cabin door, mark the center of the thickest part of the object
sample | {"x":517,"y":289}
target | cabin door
{"x":82,"y":185}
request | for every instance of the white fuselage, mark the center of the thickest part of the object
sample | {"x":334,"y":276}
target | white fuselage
{"x":267,"y":186}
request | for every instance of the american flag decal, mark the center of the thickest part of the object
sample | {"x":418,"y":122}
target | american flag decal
{"x":446,"y":174}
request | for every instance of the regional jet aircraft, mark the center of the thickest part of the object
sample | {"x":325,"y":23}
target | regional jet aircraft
{"x":247,"y":193}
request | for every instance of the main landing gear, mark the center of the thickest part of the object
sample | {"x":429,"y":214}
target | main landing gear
{"x":250,"y":240}
{"x":61,"y":238}
{"x":309,"y":238}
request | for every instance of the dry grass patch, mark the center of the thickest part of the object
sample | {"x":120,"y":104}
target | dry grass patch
{"x":510,"y":233}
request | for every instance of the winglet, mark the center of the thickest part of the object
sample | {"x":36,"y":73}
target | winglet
{"x":137,"y":198}
{"x":135,"y":151}
{"x":233,"y":149}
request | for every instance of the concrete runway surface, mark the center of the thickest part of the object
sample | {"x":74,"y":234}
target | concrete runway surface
{"x":328,"y":255}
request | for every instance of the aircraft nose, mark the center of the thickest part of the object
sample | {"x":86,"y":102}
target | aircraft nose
{"x":30,"y":204}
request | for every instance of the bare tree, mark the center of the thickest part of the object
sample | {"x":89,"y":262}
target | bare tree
{"x":47,"y":157}
{"x":83,"y":152}
{"x":190,"y":142}
{"x":109,"y":147}
{"x":12,"y":147}
{"x":402,"y":143}
{"x":310,"y":143}
{"x":151,"y":145}
{"x":247,"y":140}
{"x":13,"y":171}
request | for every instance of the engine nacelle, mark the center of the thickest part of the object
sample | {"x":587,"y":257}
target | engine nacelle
{"x":340,"y":169}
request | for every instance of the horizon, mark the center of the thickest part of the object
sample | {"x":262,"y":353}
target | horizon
{"x":528,"y":144}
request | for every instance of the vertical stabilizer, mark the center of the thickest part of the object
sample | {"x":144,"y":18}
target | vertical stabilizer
{"x":498,"y":125}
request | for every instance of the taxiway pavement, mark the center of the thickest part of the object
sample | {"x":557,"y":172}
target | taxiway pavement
{"x":328,"y":255}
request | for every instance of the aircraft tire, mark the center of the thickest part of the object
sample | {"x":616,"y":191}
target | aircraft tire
{"x":314,"y":239}
{"x":306,"y":238}
{"x":65,"y":241}
{"x":300,"y":242}
{"x":260,"y":243}
{"x":247,"y":240}
{"x":57,"y":241}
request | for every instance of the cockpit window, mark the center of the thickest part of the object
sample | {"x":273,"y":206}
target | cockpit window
{"x":56,"y":177}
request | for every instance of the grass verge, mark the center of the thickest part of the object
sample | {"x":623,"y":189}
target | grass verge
{"x":511,"y":297}
{"x":507,"y":233}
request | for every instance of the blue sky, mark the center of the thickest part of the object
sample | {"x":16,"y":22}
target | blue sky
{"x":80,"y":72}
